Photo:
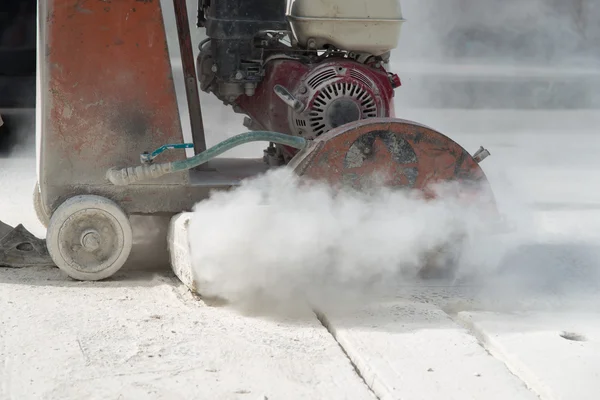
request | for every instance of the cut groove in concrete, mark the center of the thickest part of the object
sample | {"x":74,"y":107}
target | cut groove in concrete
{"x":323,"y":320}
{"x":518,"y":369}
{"x":413,"y":350}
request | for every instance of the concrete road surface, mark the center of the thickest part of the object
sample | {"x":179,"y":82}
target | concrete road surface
{"x":141,"y":335}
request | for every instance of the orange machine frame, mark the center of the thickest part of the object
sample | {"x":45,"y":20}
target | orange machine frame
{"x":106,"y":95}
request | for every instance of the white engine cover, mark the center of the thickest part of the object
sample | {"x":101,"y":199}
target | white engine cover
{"x":362,"y":26}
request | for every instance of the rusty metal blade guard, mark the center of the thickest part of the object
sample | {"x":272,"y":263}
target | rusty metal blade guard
{"x":396,"y":153}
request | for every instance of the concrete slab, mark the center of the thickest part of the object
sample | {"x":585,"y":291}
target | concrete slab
{"x":556,"y":355}
{"x":146,"y":337}
{"x":411,"y":350}
{"x":179,"y":251}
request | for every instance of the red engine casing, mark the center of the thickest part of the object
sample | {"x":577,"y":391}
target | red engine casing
{"x":371,"y":87}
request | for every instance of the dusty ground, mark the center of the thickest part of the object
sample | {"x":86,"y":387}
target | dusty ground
{"x":142,"y":336}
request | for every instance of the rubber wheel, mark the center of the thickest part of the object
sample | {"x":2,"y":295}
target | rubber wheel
{"x":37,"y":205}
{"x":89,"y":238}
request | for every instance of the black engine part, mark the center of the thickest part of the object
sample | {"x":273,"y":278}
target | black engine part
{"x":231,"y":27}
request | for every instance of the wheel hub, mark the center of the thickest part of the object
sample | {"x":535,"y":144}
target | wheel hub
{"x":342,"y":111}
{"x":89,"y":237}
{"x":91,"y":240}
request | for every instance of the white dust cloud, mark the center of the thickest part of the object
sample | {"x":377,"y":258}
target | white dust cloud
{"x":278,"y":243}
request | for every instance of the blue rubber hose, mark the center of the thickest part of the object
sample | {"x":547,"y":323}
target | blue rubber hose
{"x":129,"y":175}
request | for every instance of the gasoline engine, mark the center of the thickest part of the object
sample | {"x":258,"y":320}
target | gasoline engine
{"x":299,"y":67}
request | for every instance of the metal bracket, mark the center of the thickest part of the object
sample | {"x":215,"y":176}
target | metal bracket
{"x":189,"y":73}
{"x":289,"y":98}
{"x":481,"y":154}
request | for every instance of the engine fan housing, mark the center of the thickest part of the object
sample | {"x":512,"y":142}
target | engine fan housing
{"x":331,"y":94}
{"x":335,"y":94}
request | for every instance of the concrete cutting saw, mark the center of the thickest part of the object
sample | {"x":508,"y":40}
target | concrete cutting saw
{"x":311,"y":77}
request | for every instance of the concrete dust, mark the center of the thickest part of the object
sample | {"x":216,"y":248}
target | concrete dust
{"x":277,"y":243}
{"x":512,"y":31}
{"x":17,"y":134}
